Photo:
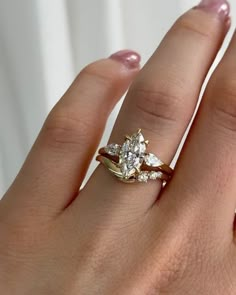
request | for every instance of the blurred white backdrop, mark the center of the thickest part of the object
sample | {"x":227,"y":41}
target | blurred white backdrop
{"x":44,"y":44}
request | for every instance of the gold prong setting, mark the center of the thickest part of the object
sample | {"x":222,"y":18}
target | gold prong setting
{"x":132,"y":158}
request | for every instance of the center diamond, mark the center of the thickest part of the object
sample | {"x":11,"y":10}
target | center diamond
{"x":132,"y":154}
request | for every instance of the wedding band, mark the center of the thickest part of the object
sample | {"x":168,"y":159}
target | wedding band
{"x":142,"y":176}
{"x":130,"y":162}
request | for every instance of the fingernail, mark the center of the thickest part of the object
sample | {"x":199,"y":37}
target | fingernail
{"x":221,"y":7}
{"x":129,"y":58}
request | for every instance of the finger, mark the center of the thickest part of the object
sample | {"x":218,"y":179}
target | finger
{"x":58,"y":161}
{"x":162,"y":99}
{"x":205,"y":176}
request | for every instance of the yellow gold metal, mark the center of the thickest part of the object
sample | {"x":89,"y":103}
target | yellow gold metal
{"x":127,"y":137}
{"x":130,"y":162}
{"x":115,"y":170}
{"x":163,"y":167}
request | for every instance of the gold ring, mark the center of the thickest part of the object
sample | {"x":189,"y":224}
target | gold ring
{"x":130,"y":162}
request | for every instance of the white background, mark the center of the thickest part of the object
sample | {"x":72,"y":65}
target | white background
{"x":45,"y":43}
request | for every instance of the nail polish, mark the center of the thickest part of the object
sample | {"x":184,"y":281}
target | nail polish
{"x":129,"y":58}
{"x":221,"y":7}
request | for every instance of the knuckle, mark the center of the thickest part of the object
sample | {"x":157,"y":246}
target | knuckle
{"x":171,"y":264}
{"x":15,"y":238}
{"x":157,"y":107}
{"x":201,"y":28}
{"x":96,"y":73}
{"x":19,"y":238}
{"x":17,"y":251}
{"x":65,"y":130}
{"x":224,"y":104}
{"x":178,"y":248}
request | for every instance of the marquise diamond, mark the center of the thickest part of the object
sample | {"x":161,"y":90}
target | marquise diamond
{"x":132,"y":154}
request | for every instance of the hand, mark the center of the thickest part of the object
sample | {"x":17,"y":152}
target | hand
{"x":116,"y":238}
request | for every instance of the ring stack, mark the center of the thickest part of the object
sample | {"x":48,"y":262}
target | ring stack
{"x":130,"y":162}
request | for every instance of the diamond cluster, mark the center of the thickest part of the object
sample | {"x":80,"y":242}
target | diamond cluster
{"x":132,"y":154}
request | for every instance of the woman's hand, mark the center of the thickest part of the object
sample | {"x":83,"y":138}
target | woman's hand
{"x":115,"y":238}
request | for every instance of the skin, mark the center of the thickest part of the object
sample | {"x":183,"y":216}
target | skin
{"x":114,"y":238}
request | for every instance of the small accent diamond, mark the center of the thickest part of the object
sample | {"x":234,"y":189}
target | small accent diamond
{"x":143,"y":176}
{"x":113,"y":149}
{"x":153,"y":175}
{"x":152,"y":160}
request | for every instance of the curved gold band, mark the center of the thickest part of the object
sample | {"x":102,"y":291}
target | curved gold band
{"x":161,"y":167}
{"x":115,"y":170}
{"x":131,"y":162}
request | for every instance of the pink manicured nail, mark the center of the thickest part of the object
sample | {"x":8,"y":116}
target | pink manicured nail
{"x":221,"y":7}
{"x":129,"y":58}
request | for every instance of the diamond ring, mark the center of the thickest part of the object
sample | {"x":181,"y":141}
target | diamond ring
{"x":142,"y":176}
{"x":130,"y":162}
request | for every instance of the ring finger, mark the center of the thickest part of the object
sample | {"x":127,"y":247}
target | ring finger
{"x":162,"y":99}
